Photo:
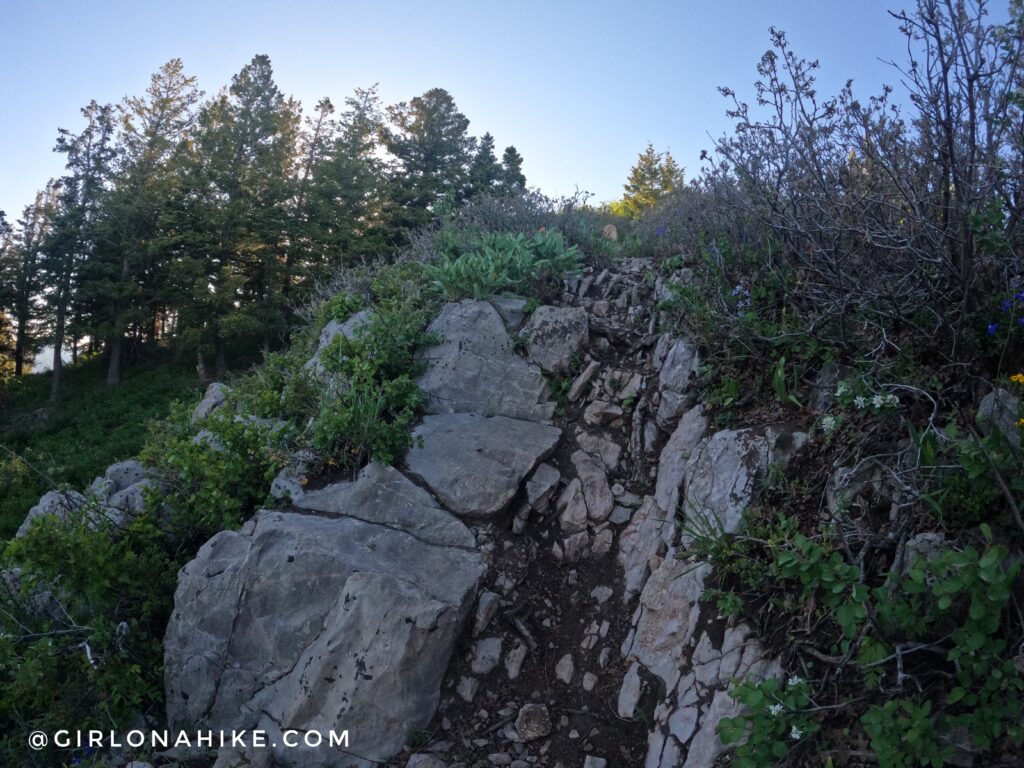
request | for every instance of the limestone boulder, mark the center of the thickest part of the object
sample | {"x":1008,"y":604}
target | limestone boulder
{"x":344,"y":619}
{"x":555,"y":335}
{"x":474,"y":369}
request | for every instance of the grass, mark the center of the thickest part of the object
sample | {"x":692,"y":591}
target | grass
{"x":90,"y":427}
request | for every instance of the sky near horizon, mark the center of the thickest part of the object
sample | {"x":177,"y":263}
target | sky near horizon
{"x":578,"y":87}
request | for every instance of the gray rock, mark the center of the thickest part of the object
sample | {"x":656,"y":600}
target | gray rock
{"x":602,"y":413}
{"x":649,"y":534}
{"x":514,"y":661}
{"x":924,"y":545}
{"x":512,"y":310}
{"x":595,"y":762}
{"x":596,"y":493}
{"x":486,"y":655}
{"x":672,"y":464}
{"x":533,"y":722}
{"x":279,"y":625}
{"x":576,"y":546}
{"x":467,"y":688}
{"x":486,"y":607}
{"x":125,"y":505}
{"x":564,"y":668}
{"x":671,"y":407}
{"x":349,"y":329}
{"x":681,"y":363}
{"x":541,"y":485}
{"x":600,"y":446}
{"x":117,"y":478}
{"x":572,"y":508}
{"x":723,"y":477}
{"x":580,"y":383}
{"x":668,"y":614}
{"x":475,"y":464}
{"x":555,"y":335}
{"x":602,"y":543}
{"x":1000,"y":410}
{"x":213,"y":399}
{"x":475,"y":370}
{"x":59,"y":504}
{"x":629,"y":693}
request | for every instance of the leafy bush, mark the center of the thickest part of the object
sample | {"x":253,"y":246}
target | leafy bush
{"x":775,"y":722}
{"x":502,"y":262}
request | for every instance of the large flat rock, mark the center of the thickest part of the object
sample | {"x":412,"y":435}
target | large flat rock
{"x":555,"y":335}
{"x":475,"y":464}
{"x":474,"y":369}
{"x":342,"y":620}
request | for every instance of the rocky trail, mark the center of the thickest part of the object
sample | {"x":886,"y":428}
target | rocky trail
{"x":519,"y":591}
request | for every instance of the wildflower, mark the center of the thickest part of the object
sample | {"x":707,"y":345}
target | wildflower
{"x":794,"y":680}
{"x":775,"y":710}
{"x":1017,"y":378}
{"x":1006,"y":305}
{"x":795,"y":733}
{"x":829,"y":424}
{"x":660,"y":231}
{"x":1019,"y":296}
{"x":877,"y":401}
{"x":843,"y":389}
{"x":1020,"y":321}
{"x":992,"y":328}
{"x":1020,"y":422}
{"x":860,"y":401}
{"x":892,"y":401}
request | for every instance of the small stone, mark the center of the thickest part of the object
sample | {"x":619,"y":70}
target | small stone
{"x":600,"y":308}
{"x":602,"y":657}
{"x":595,"y":762}
{"x":574,"y":734}
{"x":467,"y":688}
{"x":565,"y":668}
{"x":620,"y":515}
{"x":499,"y":758}
{"x":601,"y":413}
{"x":581,"y":382}
{"x":533,"y":722}
{"x":514,"y":661}
{"x":541,"y":485}
{"x":486,"y":655}
{"x":602,"y":543}
{"x":576,"y":546}
{"x":629,"y":694}
{"x":589,"y":681}
{"x":601,"y":593}
{"x":486,"y":607}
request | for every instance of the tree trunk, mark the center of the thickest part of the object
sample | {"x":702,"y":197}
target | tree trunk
{"x":19,"y":348}
{"x":221,"y":361}
{"x":116,"y":344}
{"x":58,"y":344}
{"x":201,"y":366}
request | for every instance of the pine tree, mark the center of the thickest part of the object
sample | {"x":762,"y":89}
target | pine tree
{"x":512,"y":179}
{"x":73,"y":237}
{"x":432,"y":148}
{"x":485,"y":172}
{"x":654,"y":176}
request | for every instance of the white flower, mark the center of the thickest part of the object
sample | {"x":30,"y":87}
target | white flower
{"x":877,"y":401}
{"x":860,"y":401}
{"x":829,"y":424}
{"x":892,"y":400}
{"x":775,"y":710}
{"x":795,"y":733}
{"x":843,"y":389}
{"x":794,"y":680}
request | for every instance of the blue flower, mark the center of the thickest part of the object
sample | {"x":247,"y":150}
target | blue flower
{"x":660,"y":231}
{"x":1020,"y":321}
{"x":1006,"y":305}
{"x":1019,"y":296}
{"x":992,"y":328}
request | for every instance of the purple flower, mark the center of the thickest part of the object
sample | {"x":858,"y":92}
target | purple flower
{"x":660,"y":231}
{"x":992,"y":328}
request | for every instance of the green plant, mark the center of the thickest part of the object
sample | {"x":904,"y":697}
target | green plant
{"x":776,"y":720}
{"x":780,"y":385}
{"x":903,"y":734}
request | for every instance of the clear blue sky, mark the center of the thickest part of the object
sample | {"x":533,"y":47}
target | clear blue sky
{"x":578,"y":87}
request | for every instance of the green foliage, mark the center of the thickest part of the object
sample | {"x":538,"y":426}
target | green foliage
{"x":903,"y":734}
{"x":502,"y":262}
{"x":81,"y":643}
{"x":775,"y":721}
{"x":72,"y":441}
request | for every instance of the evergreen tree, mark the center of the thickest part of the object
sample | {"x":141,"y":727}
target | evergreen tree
{"x":485,"y":171}
{"x":432,"y":149}
{"x":654,"y":176}
{"x":125,"y":275}
{"x":512,"y":179}
{"x":73,"y":237}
